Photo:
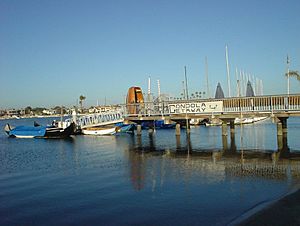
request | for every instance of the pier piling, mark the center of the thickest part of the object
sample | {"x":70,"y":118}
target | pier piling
{"x":281,"y":131}
{"x":139,"y":130}
{"x":224,"y":128}
{"x":177,"y":128}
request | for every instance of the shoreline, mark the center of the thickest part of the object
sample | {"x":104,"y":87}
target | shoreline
{"x":281,"y":211}
{"x":33,"y":116}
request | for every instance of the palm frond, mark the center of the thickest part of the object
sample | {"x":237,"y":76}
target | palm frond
{"x":293,"y":74}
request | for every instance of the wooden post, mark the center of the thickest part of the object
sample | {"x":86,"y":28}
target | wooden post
{"x":188,"y":128}
{"x":281,"y":132}
{"x":284,"y":125}
{"x":232,"y":132}
{"x":177,"y":132}
{"x":151,"y":128}
{"x":224,"y":128}
{"x":178,"y":143}
{"x":225,"y":143}
{"x":279,"y":128}
{"x":139,"y":130}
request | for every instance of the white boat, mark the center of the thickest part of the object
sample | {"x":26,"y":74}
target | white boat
{"x":99,"y":131}
{"x":237,"y":121}
{"x":213,"y":122}
{"x":258,"y":119}
{"x":249,"y":120}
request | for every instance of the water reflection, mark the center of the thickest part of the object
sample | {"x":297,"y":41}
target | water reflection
{"x":214,"y":165}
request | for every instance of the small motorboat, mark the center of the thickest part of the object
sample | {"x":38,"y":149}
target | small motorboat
{"x":38,"y":131}
{"x":99,"y":131}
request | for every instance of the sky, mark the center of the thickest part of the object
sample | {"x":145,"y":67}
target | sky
{"x":51,"y":52}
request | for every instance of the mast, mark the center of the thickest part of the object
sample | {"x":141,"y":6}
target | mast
{"x":237,"y":82}
{"x":228,"y":73}
{"x":183,"y":88}
{"x":206,"y":75}
{"x":241,"y":83}
{"x":158,"y":90}
{"x":149,"y":89}
{"x":186,"y":84}
{"x":288,"y":74}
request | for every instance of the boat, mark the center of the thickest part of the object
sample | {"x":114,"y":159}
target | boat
{"x":157,"y":124}
{"x":99,"y":131}
{"x":213,"y":123}
{"x":237,"y":121}
{"x":126,"y":128}
{"x":38,"y":131}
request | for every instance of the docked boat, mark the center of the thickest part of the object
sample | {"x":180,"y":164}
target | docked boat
{"x":126,"y":128}
{"x":99,"y":131}
{"x":157,"y":124}
{"x":38,"y":131}
{"x":237,"y":121}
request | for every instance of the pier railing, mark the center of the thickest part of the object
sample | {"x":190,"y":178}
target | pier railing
{"x":258,"y":104}
{"x":99,"y":119}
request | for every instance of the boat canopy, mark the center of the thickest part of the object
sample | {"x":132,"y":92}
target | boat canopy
{"x":219,"y":92}
{"x":28,"y":131}
{"x":249,"y":90}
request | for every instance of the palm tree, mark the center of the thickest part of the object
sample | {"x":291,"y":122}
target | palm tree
{"x":81,"y":99}
{"x":294,"y":74}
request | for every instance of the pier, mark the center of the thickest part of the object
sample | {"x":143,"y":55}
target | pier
{"x":278,"y":107}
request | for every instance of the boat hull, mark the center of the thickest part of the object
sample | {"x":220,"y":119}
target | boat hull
{"x":39,"y":131}
{"x":99,"y":131}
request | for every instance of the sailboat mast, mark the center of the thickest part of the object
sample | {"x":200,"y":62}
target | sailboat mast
{"x":149,"y":89}
{"x":158,"y":90}
{"x":237,"y":82}
{"x":206,"y":75}
{"x":228,"y":73}
{"x":186,"y":84}
{"x":288,"y":74}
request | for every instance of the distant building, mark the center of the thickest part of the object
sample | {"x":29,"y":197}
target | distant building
{"x":49,"y":112}
{"x":2,"y":112}
{"x":12,"y":112}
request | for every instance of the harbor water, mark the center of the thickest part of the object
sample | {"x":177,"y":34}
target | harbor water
{"x":159,"y":179}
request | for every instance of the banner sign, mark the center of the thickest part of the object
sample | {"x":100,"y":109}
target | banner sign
{"x":196,"y":107}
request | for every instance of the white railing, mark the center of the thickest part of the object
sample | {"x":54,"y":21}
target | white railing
{"x":259,"y":104}
{"x":98,"y":119}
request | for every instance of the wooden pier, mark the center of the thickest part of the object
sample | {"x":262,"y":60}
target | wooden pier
{"x":278,"y":107}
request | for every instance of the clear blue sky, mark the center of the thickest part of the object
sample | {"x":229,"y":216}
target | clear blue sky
{"x":53,"y":51}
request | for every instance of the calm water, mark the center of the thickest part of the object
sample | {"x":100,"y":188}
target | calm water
{"x":158,"y":180}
